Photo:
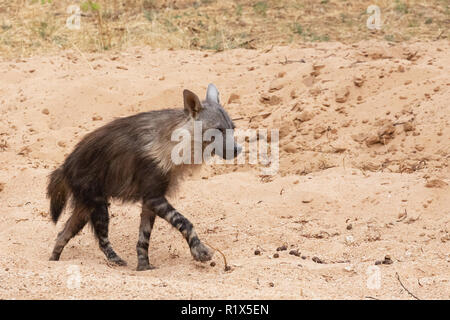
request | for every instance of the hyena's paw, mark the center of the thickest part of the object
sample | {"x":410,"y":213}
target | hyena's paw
{"x":118,"y":261}
{"x":53,"y":258}
{"x":145,"y":267}
{"x":201,"y":253}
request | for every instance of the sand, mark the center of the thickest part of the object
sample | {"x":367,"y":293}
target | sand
{"x":364,"y":173}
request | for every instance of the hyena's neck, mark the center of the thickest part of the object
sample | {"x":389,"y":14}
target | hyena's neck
{"x":161,"y":146}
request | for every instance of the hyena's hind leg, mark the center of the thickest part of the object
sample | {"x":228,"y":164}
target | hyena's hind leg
{"x":145,"y":230}
{"x":100,"y":223}
{"x":165,"y":210}
{"x":76,"y":222}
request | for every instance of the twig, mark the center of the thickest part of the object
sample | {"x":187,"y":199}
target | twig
{"x":268,"y":50}
{"x":84,"y":57}
{"x":227,"y":267}
{"x":398,"y":278}
{"x":248,"y":44}
{"x":372,"y":298}
{"x":286,"y":61}
{"x":343,"y":161}
{"x":403,"y":217}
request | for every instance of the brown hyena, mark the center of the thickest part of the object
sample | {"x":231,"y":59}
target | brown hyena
{"x":130,"y":159}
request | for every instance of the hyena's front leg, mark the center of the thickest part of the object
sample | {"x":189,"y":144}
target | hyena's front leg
{"x":164,"y":210}
{"x":145,"y":230}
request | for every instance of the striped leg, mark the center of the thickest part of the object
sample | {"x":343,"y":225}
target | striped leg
{"x":100,"y":222}
{"x":145,"y":230}
{"x":74,"y":225}
{"x":164,"y":210}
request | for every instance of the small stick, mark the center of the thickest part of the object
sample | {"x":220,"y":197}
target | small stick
{"x":82,"y":54}
{"x":398,"y":278}
{"x":286,"y":61}
{"x":227,"y":267}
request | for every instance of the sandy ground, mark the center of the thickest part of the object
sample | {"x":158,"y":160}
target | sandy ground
{"x":364,"y":140}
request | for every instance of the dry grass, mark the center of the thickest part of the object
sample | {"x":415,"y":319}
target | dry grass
{"x":29,"y":27}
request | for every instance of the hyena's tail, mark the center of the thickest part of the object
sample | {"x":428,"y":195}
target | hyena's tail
{"x":58,"y":191}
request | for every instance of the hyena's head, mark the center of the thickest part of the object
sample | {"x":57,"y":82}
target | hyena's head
{"x":217,"y":128}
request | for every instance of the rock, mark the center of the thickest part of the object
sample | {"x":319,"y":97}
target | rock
{"x":97,"y":118}
{"x":383,"y":135}
{"x":387,"y":260}
{"x":293,"y":94}
{"x":342,"y":95}
{"x":408,"y":126}
{"x":319,"y":131}
{"x":275,"y":86}
{"x":349,"y":240}
{"x":359,"y":81}
{"x":25,"y":151}
{"x":372,"y":139}
{"x":233,"y":98}
{"x":317,"y":260}
{"x":360,"y":137}
{"x":436,"y":183}
{"x":419,"y":147}
{"x":317,"y":66}
{"x":305,"y":116}
{"x":270,"y":100}
{"x":285,"y":129}
{"x":290,"y":148}
{"x":387,"y":128}
{"x":309,"y":81}
{"x":349,"y":268}
{"x":45,"y":111}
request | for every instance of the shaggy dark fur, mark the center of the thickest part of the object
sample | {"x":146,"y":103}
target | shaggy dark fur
{"x":129,"y":159}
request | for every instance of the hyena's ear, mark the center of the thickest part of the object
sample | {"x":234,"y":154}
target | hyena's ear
{"x":191,"y":103}
{"x":212,"y":94}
